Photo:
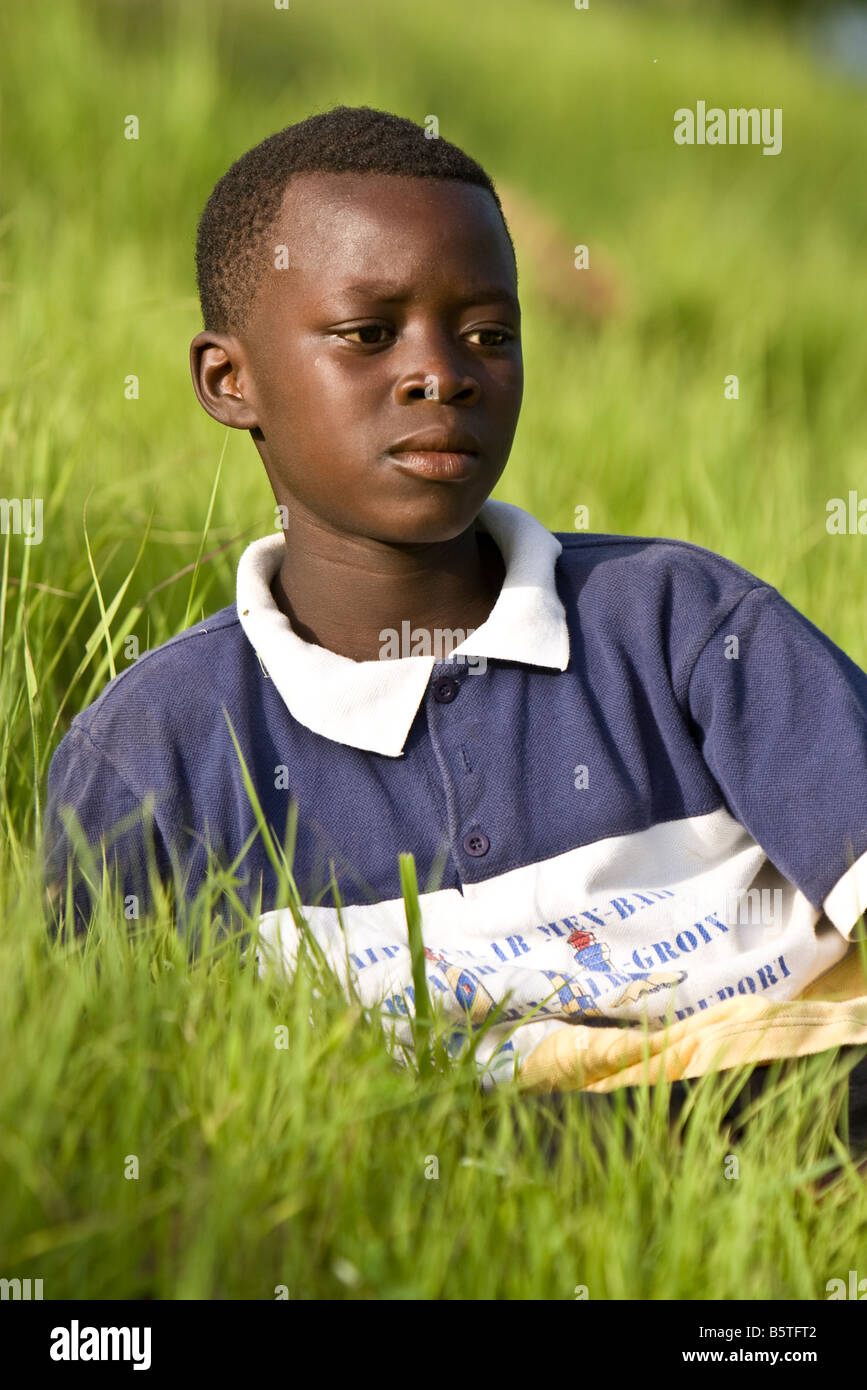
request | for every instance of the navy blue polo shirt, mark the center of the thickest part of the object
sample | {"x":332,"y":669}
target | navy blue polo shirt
{"x":636,"y":790}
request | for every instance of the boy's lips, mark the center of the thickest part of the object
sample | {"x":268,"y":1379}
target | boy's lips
{"x":445,"y":457}
{"x":433,"y":463}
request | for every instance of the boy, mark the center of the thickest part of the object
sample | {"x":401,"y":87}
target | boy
{"x":632,"y":776}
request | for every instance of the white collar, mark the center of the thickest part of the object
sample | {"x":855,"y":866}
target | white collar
{"x":371,"y":704}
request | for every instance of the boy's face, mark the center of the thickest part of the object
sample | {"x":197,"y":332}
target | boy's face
{"x":397,"y":316}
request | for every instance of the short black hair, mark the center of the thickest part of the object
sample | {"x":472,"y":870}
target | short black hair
{"x":245,"y":202}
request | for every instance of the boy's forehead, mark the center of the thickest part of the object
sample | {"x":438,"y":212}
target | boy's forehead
{"x":363,"y":225}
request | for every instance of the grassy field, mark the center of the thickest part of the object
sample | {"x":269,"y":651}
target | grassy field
{"x":309,"y":1168}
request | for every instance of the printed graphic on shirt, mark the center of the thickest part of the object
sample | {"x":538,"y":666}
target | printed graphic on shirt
{"x":622,"y":951}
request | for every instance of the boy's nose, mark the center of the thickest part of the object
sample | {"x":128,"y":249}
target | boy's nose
{"x":437,"y":382}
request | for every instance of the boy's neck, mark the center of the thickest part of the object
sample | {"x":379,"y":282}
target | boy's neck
{"x":344,"y":593}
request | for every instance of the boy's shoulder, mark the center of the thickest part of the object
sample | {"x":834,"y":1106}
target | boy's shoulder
{"x":194,"y":670}
{"x":653,"y":570}
{"x":589,"y":550}
{"x":656,"y":597}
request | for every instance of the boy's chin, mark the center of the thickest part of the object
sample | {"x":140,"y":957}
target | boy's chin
{"x":430,"y":521}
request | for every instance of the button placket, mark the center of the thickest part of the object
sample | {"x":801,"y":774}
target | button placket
{"x":444,"y":690}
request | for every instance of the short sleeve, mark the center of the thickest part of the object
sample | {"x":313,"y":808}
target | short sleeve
{"x":781,"y":719}
{"x":83,"y":780}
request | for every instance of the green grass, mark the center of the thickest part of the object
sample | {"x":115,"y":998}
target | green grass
{"x":310,"y":1159}
{"x":305,"y":1166}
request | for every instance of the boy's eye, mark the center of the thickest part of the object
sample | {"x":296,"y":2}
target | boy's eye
{"x":502,"y":334}
{"x":367,"y":334}
{"x":365,"y":329}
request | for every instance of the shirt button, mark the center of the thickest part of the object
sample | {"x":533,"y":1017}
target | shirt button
{"x":445,"y":690}
{"x":476,"y":843}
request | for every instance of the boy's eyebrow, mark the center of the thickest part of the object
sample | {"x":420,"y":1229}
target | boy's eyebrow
{"x":394,"y":293}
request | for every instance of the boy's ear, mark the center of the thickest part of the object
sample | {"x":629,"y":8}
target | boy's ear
{"x":216,"y":363}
